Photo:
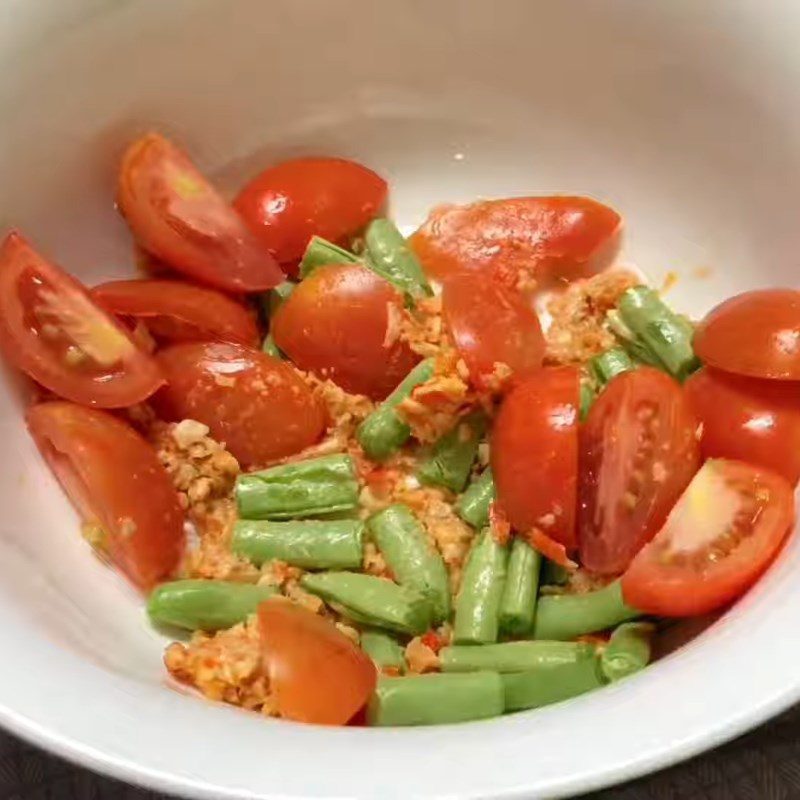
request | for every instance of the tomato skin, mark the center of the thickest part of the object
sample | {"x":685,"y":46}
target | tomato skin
{"x":107,"y":469}
{"x":639,"y":451}
{"x":560,"y":237}
{"x":292,"y":201}
{"x":491,"y":324}
{"x":36,"y":297}
{"x":747,"y":419}
{"x":754,"y":333}
{"x":335,"y":324}
{"x":534,"y":454}
{"x":688,"y":583}
{"x":176,"y":215}
{"x":258,"y":405}
{"x":179,"y":311}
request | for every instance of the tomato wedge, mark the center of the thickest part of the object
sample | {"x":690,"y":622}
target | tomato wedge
{"x":52,"y":330}
{"x":542,"y":237}
{"x":492,"y":325}
{"x":534,"y":454}
{"x":114,"y":479}
{"x":639,"y":451}
{"x":317,"y":674}
{"x":258,"y":405}
{"x":724,"y":532}
{"x":755,"y":333}
{"x":757,"y":421}
{"x":179,"y":311}
{"x":290,"y":202}
{"x":175,"y":214}
{"x":341,"y":323}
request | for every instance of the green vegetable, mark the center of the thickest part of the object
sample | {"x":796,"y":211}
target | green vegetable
{"x":565,"y":616}
{"x":518,"y":604}
{"x":383,"y":432}
{"x":609,"y":364}
{"x":320,"y":252}
{"x":411,"y":557}
{"x":513,"y":656}
{"x":383,"y":649}
{"x":271,"y":301}
{"x":388,"y":254}
{"x":449,"y":461}
{"x":205,"y":605}
{"x":473,"y":505}
{"x":372,"y":601}
{"x":436,"y":699}
{"x":628,"y":650}
{"x":586,"y":398}
{"x":311,"y":544}
{"x":301,"y":489}
{"x":478,"y":602}
{"x":269,"y":347}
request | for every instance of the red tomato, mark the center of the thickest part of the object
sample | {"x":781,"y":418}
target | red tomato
{"x":755,"y":333}
{"x":751,"y":420}
{"x":289,"y":203}
{"x":341,"y":323}
{"x":114,"y":479}
{"x":534,"y":452}
{"x":725,"y":531}
{"x":176,"y":215}
{"x":317,"y":674}
{"x":258,"y":405}
{"x":639,"y":451}
{"x":491,"y":324}
{"x":548,"y":237}
{"x":179,"y":311}
{"x":51,"y":329}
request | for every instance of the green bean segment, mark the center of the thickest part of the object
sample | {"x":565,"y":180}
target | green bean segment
{"x":388,"y":254}
{"x":448,"y":461}
{"x":302,"y":489}
{"x":514,"y":656}
{"x":473,"y":505}
{"x":320,"y":252}
{"x":411,"y":556}
{"x":518,"y":604}
{"x":610,"y":363}
{"x":198,"y":605}
{"x":383,"y":649}
{"x":311,"y":544}
{"x":436,"y":699}
{"x":628,"y":650}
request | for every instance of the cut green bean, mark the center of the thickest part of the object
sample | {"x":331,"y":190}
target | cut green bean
{"x":631,"y":343}
{"x":551,"y":684}
{"x":473,"y":505}
{"x":301,"y":489}
{"x":628,"y":650}
{"x":477,"y":614}
{"x":518,"y":604}
{"x":513,"y":656}
{"x":436,"y":699}
{"x":311,"y":544}
{"x":271,"y":301}
{"x":199,"y":605}
{"x":373,"y":601}
{"x":448,"y":461}
{"x":586,"y":398}
{"x":383,"y":432}
{"x":411,"y":556}
{"x":565,"y":616}
{"x":383,"y":649}
{"x":269,"y":347}
{"x":320,"y":252}
{"x":388,"y":254}
{"x":610,"y":363}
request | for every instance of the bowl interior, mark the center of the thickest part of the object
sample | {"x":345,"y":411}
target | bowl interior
{"x":681,"y":115}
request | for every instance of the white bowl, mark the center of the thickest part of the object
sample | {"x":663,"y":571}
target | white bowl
{"x":684,"y":115}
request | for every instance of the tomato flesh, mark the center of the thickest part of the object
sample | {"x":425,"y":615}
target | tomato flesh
{"x":724,"y":532}
{"x":755,"y":333}
{"x":176,"y":215}
{"x":639,"y":451}
{"x":107,"y":469}
{"x":51,"y":329}
{"x":258,"y":405}
{"x":547,"y":238}
{"x":179,"y":311}
{"x":290,"y":202}
{"x":317,"y":674}
{"x":492,"y":327}
{"x":534,"y":454}
{"x":338,"y":323}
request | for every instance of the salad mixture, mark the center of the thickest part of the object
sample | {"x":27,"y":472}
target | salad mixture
{"x":365,"y":479}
